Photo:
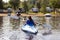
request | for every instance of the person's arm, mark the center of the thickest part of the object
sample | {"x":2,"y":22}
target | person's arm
{"x":34,"y":23}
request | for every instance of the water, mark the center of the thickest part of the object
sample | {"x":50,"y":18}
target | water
{"x":10,"y":28}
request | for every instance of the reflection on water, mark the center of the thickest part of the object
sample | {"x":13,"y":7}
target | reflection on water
{"x":6,"y":21}
{"x":15,"y":23}
{"x":57,"y":22}
{"x":1,"y":22}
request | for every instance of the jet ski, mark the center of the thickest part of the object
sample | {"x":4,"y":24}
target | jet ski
{"x":28,"y":29}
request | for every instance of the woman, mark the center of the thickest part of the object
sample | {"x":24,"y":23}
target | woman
{"x":29,"y":28}
{"x":30,"y":22}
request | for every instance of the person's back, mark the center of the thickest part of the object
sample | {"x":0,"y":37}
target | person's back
{"x":30,"y":22}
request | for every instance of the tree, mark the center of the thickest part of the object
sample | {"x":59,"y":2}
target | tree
{"x":14,"y":3}
{"x":30,"y":4}
{"x":38,"y":5}
{"x":55,"y":4}
{"x":1,"y":4}
{"x":25,"y":6}
{"x":33,"y":2}
{"x":43,"y":6}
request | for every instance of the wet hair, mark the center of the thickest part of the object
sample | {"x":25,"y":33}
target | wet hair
{"x":30,"y":18}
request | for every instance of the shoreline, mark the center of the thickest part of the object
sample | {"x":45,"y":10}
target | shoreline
{"x":23,"y":14}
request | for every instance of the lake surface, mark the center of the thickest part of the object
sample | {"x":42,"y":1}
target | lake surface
{"x":10,"y":26}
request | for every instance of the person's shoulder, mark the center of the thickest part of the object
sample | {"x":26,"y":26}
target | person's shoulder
{"x":27,"y":20}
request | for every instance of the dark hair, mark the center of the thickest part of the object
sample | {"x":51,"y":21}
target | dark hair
{"x":30,"y":18}
{"x":18,"y":14}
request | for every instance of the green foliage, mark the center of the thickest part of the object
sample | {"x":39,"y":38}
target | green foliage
{"x":43,"y":9}
{"x":54,"y":3}
{"x":38,"y":5}
{"x":6,"y":5}
{"x":1,"y":4}
{"x":14,"y":3}
{"x":33,"y":2}
{"x":25,"y":6}
{"x":43,"y":6}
